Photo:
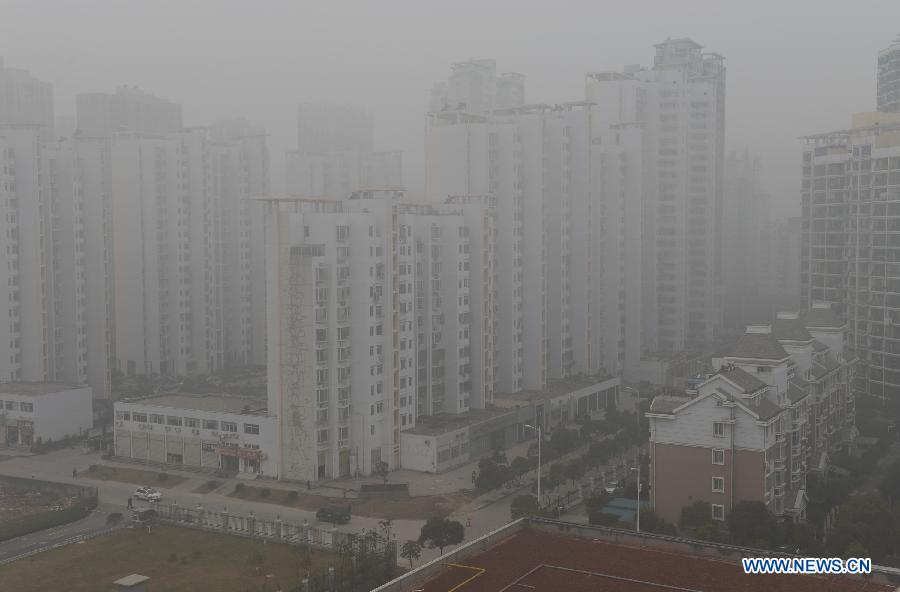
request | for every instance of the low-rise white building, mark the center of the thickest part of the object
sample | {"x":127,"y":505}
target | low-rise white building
{"x":38,"y":412}
{"x":213,"y":431}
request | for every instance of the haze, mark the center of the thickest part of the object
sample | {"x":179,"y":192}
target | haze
{"x":258,"y":60}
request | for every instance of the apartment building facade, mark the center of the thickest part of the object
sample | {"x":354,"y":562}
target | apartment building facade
{"x":641,"y":157}
{"x":189,"y":295}
{"x":678,"y":106}
{"x":850,"y":197}
{"x":373,"y":296}
{"x":888,"y":78}
{"x":780,"y":402}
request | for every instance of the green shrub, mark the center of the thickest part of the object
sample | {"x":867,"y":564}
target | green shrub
{"x":238,"y":487}
{"x":114,"y":519}
{"x":23,"y":526}
{"x":173,"y":557}
{"x":292,"y":496}
{"x":162,"y":477}
{"x":212,"y":484}
{"x":264,"y":492}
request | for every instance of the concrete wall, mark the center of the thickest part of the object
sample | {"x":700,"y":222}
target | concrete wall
{"x":682,"y":475}
{"x":418,"y":452}
{"x":421,"y":452}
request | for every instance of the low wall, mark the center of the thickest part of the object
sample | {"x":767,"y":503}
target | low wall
{"x":411,"y":580}
{"x":276,"y":531}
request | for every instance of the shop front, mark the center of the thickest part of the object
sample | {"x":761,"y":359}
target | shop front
{"x":240,"y":460}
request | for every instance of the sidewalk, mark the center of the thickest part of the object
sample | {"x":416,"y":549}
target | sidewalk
{"x":453,"y":481}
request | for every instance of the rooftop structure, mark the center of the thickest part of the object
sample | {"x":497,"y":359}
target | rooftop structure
{"x":35,"y":389}
{"x":223,"y":403}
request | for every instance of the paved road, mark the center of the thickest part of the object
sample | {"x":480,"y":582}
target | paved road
{"x":58,"y":465}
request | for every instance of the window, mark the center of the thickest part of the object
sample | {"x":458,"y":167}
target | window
{"x":719,"y":429}
{"x":251,"y":428}
{"x":718,"y":512}
{"x":173,"y":421}
{"x":210,"y":424}
{"x":12,"y":405}
{"x":718,"y":456}
{"x":718,"y":484}
{"x":322,"y":436}
{"x":156,"y":418}
{"x":139,"y":417}
{"x":26,"y":407}
{"x":229,"y":426}
{"x":192,"y":422}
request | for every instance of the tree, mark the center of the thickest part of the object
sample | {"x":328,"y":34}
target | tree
{"x":382,"y":469}
{"x":890,"y":484}
{"x":751,"y":524}
{"x":411,"y":550}
{"x":557,"y":474}
{"x":524,"y":505}
{"x":491,"y":474}
{"x":575,"y":469}
{"x":696,"y":515}
{"x":562,"y":441}
{"x":519,"y":466}
{"x":441,"y":532}
{"x":651,"y":522}
{"x":866,"y":521}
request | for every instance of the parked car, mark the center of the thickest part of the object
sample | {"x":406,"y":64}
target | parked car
{"x":147,"y":494}
{"x":334,"y":514}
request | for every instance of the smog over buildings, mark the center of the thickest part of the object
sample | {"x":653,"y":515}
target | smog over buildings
{"x":470,"y":287}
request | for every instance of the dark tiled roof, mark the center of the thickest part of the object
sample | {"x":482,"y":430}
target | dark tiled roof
{"x":667,"y":404}
{"x":819,"y":346}
{"x":759,"y":346}
{"x":767,"y":409}
{"x":829,"y":363}
{"x":795,"y":392}
{"x":822,"y":317}
{"x":790,"y":330}
{"x":744,"y":380}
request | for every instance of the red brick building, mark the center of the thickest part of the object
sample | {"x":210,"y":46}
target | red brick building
{"x":780,"y":402}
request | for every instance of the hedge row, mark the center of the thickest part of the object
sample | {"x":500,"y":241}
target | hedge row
{"x":21,"y":527}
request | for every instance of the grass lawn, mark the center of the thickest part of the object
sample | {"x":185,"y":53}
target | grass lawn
{"x":411,"y":508}
{"x":134,"y":476}
{"x":202,"y":562}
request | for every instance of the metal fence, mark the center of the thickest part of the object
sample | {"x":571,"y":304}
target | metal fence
{"x":278,"y":530}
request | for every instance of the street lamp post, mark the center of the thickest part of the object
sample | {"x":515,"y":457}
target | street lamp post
{"x":637,"y":453}
{"x":540,"y":437}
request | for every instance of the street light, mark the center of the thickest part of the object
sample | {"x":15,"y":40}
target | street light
{"x":540,"y":437}
{"x":637,"y":451}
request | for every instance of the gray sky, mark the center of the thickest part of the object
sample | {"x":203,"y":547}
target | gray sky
{"x":794,"y":66}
